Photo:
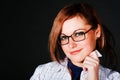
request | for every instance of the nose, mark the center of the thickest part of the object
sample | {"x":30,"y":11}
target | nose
{"x":72,"y":44}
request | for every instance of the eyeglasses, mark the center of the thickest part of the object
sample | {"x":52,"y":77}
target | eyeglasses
{"x":77,"y":36}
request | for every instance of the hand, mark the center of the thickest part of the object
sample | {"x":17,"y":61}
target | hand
{"x":91,"y":64}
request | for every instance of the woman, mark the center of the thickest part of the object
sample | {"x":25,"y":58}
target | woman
{"x":78,"y":45}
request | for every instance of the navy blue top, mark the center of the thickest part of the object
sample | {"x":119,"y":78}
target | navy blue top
{"x":76,"y":71}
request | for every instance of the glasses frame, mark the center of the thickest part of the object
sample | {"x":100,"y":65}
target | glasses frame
{"x":73,"y":38}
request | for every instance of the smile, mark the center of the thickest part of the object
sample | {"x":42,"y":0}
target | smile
{"x":75,"y":52}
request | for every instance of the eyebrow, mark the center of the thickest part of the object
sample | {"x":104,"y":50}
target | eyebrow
{"x":73,"y":31}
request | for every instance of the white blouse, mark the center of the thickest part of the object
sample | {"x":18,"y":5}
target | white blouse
{"x":56,"y":71}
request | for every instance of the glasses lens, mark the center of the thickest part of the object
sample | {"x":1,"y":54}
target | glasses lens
{"x":78,"y":36}
{"x":63,"y":39}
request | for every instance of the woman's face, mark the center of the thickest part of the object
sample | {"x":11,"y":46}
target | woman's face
{"x":77,"y":51}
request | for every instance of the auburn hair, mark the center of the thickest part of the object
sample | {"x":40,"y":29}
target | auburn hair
{"x":88,"y":13}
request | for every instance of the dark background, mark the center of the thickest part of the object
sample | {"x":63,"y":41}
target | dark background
{"x":25,"y":27}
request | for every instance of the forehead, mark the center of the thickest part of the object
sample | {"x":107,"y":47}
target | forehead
{"x":70,"y":25}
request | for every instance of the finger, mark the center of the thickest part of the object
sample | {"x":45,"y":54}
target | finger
{"x":87,"y":66}
{"x":91,"y":59}
{"x":90,"y":62}
{"x":94,"y":55}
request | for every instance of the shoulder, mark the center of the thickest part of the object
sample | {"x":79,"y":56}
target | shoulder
{"x":48,"y":65}
{"x":109,"y":74}
{"x":51,"y":65}
{"x":46,"y":70}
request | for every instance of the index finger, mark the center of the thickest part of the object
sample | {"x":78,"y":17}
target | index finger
{"x":94,"y":55}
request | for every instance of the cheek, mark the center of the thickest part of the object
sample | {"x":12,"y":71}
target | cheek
{"x":65,"y":49}
{"x":89,"y":44}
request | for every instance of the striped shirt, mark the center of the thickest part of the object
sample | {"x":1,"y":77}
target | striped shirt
{"x":56,"y":71}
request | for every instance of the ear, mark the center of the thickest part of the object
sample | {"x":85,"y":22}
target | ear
{"x":98,"y":31}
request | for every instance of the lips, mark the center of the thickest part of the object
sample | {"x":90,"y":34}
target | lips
{"x":75,"y":52}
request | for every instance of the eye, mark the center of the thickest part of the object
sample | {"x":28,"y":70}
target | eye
{"x":63,"y":37}
{"x":79,"y":34}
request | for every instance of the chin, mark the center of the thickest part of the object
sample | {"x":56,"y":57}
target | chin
{"x":77,"y":60}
